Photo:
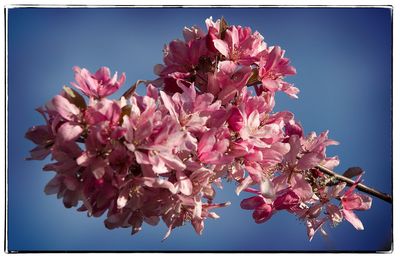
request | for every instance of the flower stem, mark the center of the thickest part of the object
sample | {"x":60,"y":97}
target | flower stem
{"x":361,"y":187}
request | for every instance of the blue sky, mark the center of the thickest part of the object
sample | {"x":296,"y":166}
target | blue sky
{"x":343,"y":59}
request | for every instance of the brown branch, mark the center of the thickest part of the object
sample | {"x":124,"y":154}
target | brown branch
{"x":361,"y":187}
{"x":132,"y":89}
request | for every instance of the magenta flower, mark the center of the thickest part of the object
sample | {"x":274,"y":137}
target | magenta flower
{"x":98,"y":85}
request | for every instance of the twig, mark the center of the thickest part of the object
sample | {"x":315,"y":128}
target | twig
{"x":361,"y":187}
{"x":132,"y":89}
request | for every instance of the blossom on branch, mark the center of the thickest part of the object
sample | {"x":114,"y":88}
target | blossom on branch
{"x":208,"y":118}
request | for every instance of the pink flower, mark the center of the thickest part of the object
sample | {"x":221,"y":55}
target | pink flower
{"x":160,"y":156}
{"x":240,"y":45}
{"x":354,"y":201}
{"x":97,"y":85}
{"x":190,"y":109}
{"x":311,"y":151}
{"x":235,"y":120}
{"x":228,"y":80}
{"x":65,"y":119}
{"x":293,"y":128}
{"x":103,"y":120}
{"x":43,"y":137}
{"x":273,"y":67}
{"x":181,"y":58}
{"x":263,"y":213}
{"x":192,"y":33}
{"x":286,"y":201}
{"x":213,"y":145}
{"x":263,"y":210}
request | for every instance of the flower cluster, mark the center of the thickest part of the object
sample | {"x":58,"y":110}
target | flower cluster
{"x":208,"y":118}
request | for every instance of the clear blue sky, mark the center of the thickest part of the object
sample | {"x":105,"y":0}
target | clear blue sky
{"x":343,"y":59}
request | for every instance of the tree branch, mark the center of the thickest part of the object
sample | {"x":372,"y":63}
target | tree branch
{"x":361,"y":187}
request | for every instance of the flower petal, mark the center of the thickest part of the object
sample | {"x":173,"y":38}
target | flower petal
{"x":66,"y":109}
{"x":351,"y":217}
{"x":184,"y":184}
{"x":252,"y":203}
{"x":69,"y":131}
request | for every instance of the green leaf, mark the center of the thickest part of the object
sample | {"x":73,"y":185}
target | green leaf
{"x":254,"y":77}
{"x":353,"y":172}
{"x":74,"y":97}
{"x":223,"y":26}
{"x":126,"y":110}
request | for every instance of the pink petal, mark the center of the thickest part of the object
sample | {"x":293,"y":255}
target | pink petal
{"x":184,"y":183}
{"x":286,"y":201}
{"x":152,"y":91}
{"x":366,"y":202}
{"x":254,"y":120}
{"x":198,"y":225}
{"x":301,"y":187}
{"x":83,"y":160}
{"x":123,"y":197}
{"x":121,"y":80}
{"x":152,"y":220}
{"x":273,"y":57}
{"x":263,"y":213}
{"x":169,"y":105}
{"x":331,"y":162}
{"x":172,"y":161}
{"x":141,"y":157}
{"x":233,"y":35}
{"x":71,"y":183}
{"x":158,"y":165}
{"x":255,"y":172}
{"x":144,"y":131}
{"x":334,"y":191}
{"x":212,"y":157}
{"x":207,"y":142}
{"x":39,"y":153}
{"x":351,"y":217}
{"x":309,"y":160}
{"x":222,"y":47}
{"x":69,"y":132}
{"x":255,"y":156}
{"x":198,"y":207}
{"x":98,"y":167}
{"x":246,"y":182}
{"x":53,"y":187}
{"x":159,"y":183}
{"x":227,"y":94}
{"x":113,"y":112}
{"x":235,"y":120}
{"x":103,"y":74}
{"x":252,"y":203}
{"x":270,"y":84}
{"x":356,"y":201}
{"x":66,"y":109}
{"x":267,"y":188}
{"x":38,"y":134}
